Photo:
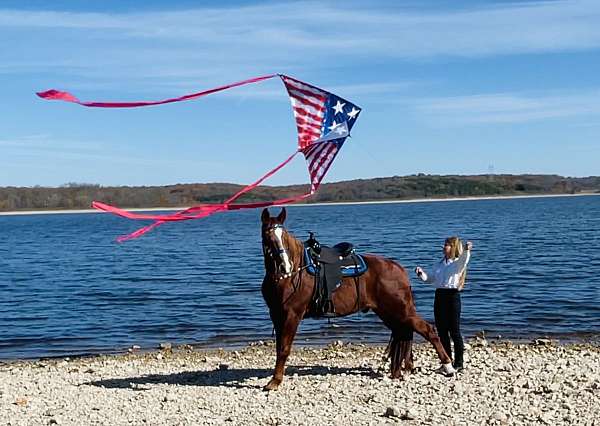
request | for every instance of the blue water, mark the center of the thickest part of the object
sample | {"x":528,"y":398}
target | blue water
{"x":67,"y":288}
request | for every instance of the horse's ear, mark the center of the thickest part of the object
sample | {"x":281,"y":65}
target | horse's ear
{"x":282,"y":215}
{"x":265,"y":216}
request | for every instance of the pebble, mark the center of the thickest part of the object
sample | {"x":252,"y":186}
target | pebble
{"x":392,"y":412}
{"x":500,"y":417}
{"x":535,"y":384}
{"x":409,"y":415}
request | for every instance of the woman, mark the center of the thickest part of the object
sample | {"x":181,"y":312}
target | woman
{"x":448,"y":277}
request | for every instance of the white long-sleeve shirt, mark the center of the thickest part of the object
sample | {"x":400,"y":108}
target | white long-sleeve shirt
{"x":446,"y":273}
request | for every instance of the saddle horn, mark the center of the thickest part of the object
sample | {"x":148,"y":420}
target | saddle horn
{"x":313,"y":243}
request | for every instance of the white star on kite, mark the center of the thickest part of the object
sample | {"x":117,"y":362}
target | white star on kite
{"x":339,"y":129}
{"x":339,"y":107}
{"x":352,"y":114}
{"x":334,"y":126}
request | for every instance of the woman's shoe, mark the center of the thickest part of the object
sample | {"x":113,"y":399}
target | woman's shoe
{"x":447,"y":370}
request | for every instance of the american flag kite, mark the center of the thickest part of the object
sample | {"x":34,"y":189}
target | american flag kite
{"x":323,"y":119}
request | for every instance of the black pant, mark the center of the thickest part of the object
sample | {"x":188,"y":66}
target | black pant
{"x":446,"y":309}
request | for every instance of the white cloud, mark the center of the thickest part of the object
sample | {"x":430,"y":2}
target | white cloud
{"x":44,"y":142}
{"x":508,"y":107}
{"x":49,"y":149}
{"x":25,"y":141}
{"x":527,"y":26}
{"x":216,"y":44}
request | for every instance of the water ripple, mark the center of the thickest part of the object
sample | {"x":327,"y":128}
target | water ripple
{"x":67,"y":288}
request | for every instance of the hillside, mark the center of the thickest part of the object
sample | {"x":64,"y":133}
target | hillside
{"x":80,"y":196}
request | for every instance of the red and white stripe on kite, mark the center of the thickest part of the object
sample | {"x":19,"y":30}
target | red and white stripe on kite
{"x":308,"y":103}
{"x":319,"y":157}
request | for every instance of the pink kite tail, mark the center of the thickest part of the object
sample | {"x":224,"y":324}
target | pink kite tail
{"x":220,"y":207}
{"x":177,"y":216}
{"x":57,"y":95}
{"x":261,"y":180}
{"x":269,"y":203}
{"x":241,"y":191}
{"x":136,"y":216}
{"x":139,"y":232}
{"x":195,"y":212}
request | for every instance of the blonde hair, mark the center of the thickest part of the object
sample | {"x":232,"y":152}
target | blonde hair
{"x":456,"y":249}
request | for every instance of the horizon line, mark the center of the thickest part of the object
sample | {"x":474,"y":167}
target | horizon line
{"x":83,"y":184}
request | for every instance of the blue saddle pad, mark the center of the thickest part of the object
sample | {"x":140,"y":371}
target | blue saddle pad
{"x":352,"y":270}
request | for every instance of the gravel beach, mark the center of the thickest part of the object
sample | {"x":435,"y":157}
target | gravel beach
{"x":542,"y":382}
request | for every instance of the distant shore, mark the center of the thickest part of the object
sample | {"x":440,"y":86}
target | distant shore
{"x":543,"y":382}
{"x":415,"y":200}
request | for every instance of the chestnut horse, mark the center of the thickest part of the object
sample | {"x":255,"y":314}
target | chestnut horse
{"x":384,"y":288}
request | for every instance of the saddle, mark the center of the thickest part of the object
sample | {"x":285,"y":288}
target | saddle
{"x":329,"y":265}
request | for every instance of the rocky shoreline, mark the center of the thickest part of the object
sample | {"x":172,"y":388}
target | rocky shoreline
{"x":504,"y":383}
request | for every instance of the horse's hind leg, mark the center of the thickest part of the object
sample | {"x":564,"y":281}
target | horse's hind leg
{"x":428,"y":332}
{"x":285,"y":330}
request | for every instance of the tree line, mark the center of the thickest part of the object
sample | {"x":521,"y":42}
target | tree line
{"x":80,"y":196}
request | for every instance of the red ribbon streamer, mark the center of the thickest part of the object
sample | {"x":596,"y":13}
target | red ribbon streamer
{"x":195,"y":212}
{"x":57,"y":95}
{"x":201,"y":210}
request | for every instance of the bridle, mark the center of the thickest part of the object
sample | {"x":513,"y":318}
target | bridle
{"x":276,"y":233}
{"x":280,"y":251}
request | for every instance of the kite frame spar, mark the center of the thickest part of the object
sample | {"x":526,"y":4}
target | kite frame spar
{"x":310,"y":105}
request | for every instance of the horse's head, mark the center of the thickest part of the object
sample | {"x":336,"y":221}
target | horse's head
{"x":276,"y":242}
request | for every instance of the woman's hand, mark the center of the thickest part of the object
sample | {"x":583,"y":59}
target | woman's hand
{"x":421,"y":274}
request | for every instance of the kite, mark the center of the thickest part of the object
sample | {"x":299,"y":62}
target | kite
{"x":323,"y":120}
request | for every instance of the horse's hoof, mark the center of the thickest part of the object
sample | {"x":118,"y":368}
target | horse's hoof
{"x":272,"y":385}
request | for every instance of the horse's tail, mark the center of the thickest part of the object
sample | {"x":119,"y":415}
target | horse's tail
{"x":399,"y":350}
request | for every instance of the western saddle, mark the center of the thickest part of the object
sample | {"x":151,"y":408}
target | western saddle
{"x":329,"y":265}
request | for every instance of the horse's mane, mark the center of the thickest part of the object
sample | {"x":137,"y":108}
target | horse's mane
{"x":295,"y":246}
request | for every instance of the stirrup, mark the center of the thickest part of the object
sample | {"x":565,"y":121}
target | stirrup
{"x":328,"y":310}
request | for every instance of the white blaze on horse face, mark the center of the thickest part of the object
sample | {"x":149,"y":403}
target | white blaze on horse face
{"x":287,"y":265}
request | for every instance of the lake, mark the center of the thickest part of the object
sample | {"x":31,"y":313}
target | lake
{"x":67,"y":288}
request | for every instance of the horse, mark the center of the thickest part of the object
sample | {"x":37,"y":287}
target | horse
{"x":384,"y":288}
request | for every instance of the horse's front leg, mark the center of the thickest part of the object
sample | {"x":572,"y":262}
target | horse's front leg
{"x":286,"y":327}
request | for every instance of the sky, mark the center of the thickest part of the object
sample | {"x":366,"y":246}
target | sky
{"x":447,"y":87}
